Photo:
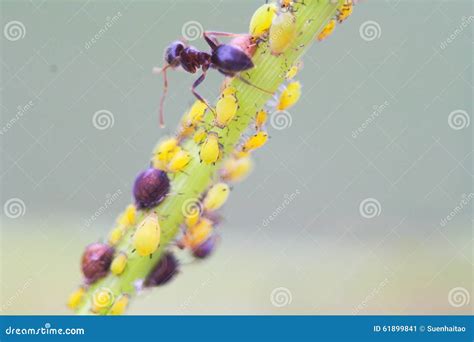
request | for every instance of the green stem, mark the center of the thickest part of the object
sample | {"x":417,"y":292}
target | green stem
{"x":268,"y":74}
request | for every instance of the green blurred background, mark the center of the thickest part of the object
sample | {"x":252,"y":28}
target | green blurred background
{"x":323,"y":253}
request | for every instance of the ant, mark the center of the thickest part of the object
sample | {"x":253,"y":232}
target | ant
{"x":229,"y":59}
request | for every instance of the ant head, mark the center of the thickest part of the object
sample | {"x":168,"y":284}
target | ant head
{"x":172,"y":53}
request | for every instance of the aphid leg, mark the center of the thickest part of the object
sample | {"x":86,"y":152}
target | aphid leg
{"x":165,"y":91}
{"x":199,"y":97}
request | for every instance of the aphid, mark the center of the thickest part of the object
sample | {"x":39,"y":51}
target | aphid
{"x":289,"y":96}
{"x":206,"y":248}
{"x":344,"y":11}
{"x":116,"y":235}
{"x":196,"y":114}
{"x":216,"y":196}
{"x":128,"y":217}
{"x":120,"y":305}
{"x":211,"y":149}
{"x":262,"y":20}
{"x":165,"y":270}
{"x":150,"y":188}
{"x":76,"y":297}
{"x":147,"y":236}
{"x":255,"y":141}
{"x":236,"y":169}
{"x":293,"y":71}
{"x":179,"y":161}
{"x":226,"y":108}
{"x":197,"y":234}
{"x":96,"y":261}
{"x":200,"y":136}
{"x":229,"y":59}
{"x":166,"y":149}
{"x":229,"y":91}
{"x":327,"y":30}
{"x":260,"y":119}
{"x":118,"y":264}
{"x":282,"y":32}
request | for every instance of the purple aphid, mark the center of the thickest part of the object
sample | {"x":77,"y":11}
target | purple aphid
{"x":163,"y":272}
{"x":150,"y":188}
{"x":206,"y":248}
{"x":96,"y":261}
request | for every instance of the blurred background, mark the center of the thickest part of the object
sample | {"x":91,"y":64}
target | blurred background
{"x":362,"y":205}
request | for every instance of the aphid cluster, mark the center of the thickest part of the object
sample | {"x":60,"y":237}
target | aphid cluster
{"x":343,"y":12}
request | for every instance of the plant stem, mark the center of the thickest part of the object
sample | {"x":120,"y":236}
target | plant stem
{"x":268,"y":73}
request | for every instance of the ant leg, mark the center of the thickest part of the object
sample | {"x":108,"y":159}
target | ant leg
{"x":165,"y":92}
{"x":199,"y":97}
{"x":253,"y":85}
{"x":210,"y":37}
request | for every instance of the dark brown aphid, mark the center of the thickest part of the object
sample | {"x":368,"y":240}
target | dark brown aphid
{"x":163,"y":272}
{"x":96,"y":261}
{"x":150,"y":188}
{"x":229,"y":59}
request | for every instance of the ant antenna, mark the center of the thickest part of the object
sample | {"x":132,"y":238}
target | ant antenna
{"x":165,"y":91}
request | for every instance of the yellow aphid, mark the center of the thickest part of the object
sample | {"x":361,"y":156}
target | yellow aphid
{"x":210,"y":149}
{"x":260,"y":119}
{"x":226,"y":108}
{"x":196,"y":113}
{"x":282,"y":32}
{"x":118,"y":264}
{"x":344,"y":11}
{"x":200,"y":135}
{"x":116,"y":235}
{"x":289,"y":96}
{"x":198,"y":233}
{"x":236,"y":169}
{"x":120,"y":305}
{"x":229,"y":91}
{"x":262,"y":20}
{"x":327,"y":30}
{"x":179,"y":161}
{"x":75,"y":298}
{"x":255,"y":141}
{"x":147,"y":236}
{"x":128,"y":217}
{"x":185,"y":130}
{"x":293,"y":71}
{"x":166,"y":149}
{"x":216,"y":197}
